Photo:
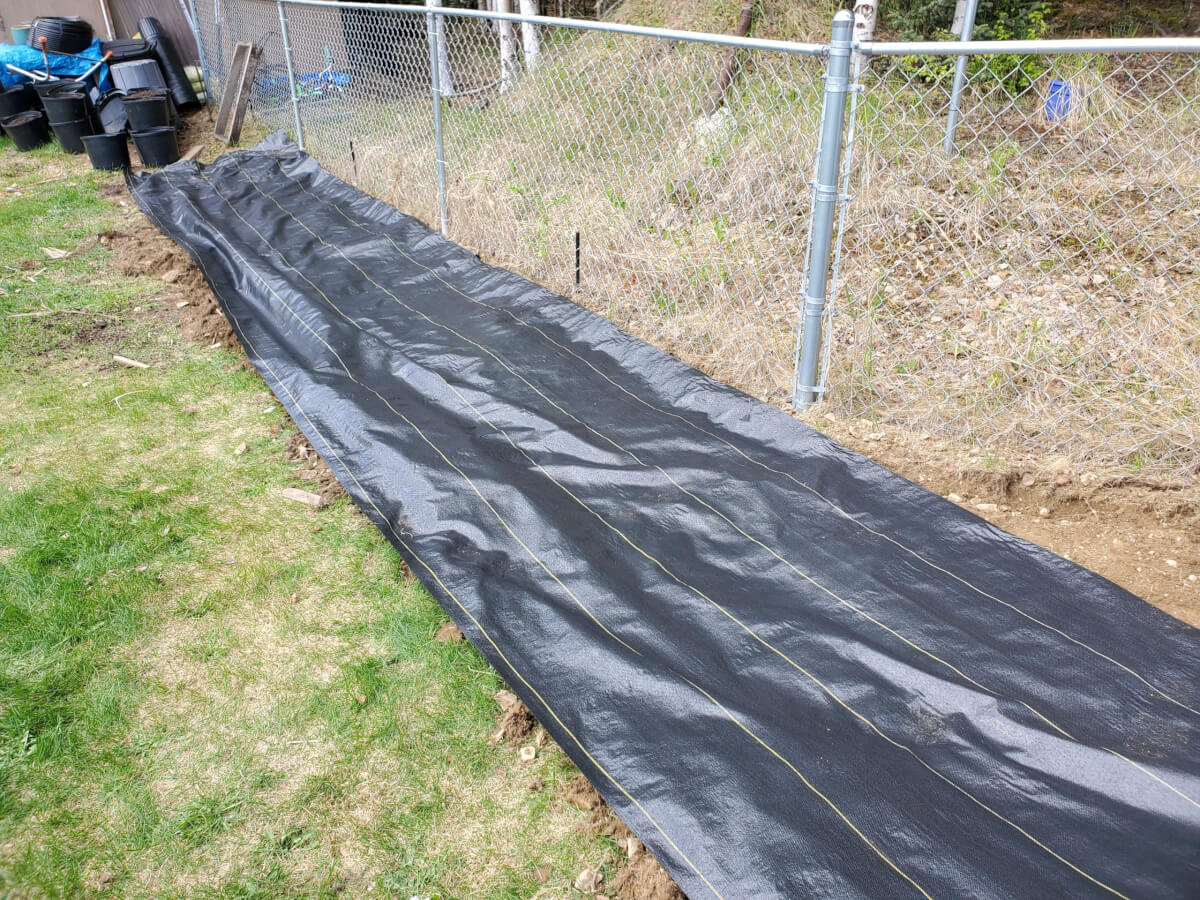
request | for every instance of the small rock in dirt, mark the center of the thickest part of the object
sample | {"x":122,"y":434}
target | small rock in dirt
{"x":589,"y":880}
{"x":1172,"y":563}
{"x":528,"y":753}
{"x":190,"y":410}
{"x":361,"y":698}
{"x":181,"y":304}
{"x":306,"y":497}
{"x":1027,"y":479}
{"x":1044,"y":513}
{"x":1087,"y":478}
{"x":1191,"y":578}
{"x":1062,"y":480}
{"x":171,"y":276}
{"x":100,"y":880}
{"x":449,"y":633}
{"x":987,"y":507}
{"x":954,"y":498}
{"x":241,"y":448}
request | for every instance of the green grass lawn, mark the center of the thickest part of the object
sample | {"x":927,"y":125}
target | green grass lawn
{"x":207,"y":690}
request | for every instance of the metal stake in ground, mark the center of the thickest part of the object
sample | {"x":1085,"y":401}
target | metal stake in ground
{"x":291,"y":74}
{"x":825,"y":200}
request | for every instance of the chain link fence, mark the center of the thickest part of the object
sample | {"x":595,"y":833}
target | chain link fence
{"x":1031,"y":288}
{"x":1034,"y":284}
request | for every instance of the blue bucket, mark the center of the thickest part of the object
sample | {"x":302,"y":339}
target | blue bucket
{"x":1062,"y":100}
{"x":20,"y":33}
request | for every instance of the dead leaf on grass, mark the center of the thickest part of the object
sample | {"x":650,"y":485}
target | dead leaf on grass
{"x":55,"y":253}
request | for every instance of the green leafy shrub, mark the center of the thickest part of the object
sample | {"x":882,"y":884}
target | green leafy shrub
{"x":995,"y":20}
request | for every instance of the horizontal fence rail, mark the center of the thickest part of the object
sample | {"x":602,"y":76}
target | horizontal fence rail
{"x":1020,"y":273}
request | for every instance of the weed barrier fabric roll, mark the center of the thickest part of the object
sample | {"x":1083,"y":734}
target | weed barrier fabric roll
{"x":790,"y":671}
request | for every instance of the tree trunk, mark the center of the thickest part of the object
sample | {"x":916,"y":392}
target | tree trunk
{"x":729,"y":64}
{"x":445,"y":79}
{"x":529,"y":36}
{"x":960,"y":18}
{"x":508,"y":48}
{"x":866,"y":12}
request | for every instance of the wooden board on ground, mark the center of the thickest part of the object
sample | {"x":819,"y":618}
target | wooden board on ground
{"x":236,"y":95}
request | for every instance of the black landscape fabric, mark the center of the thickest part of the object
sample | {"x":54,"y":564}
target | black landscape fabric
{"x":790,"y":671}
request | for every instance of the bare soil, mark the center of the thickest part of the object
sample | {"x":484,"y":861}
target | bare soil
{"x":516,"y":723}
{"x":642,"y":877}
{"x":142,"y":249}
{"x":315,"y":471}
{"x":1141,"y":534}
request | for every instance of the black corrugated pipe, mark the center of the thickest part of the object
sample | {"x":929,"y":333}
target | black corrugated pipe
{"x":168,"y":58}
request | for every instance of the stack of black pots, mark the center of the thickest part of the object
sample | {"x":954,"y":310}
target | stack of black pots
{"x":151,"y":115}
{"x":66,"y":107}
{"x":69,"y":112}
{"x":21,"y":119}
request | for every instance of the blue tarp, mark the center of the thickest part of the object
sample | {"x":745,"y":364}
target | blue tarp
{"x":30,"y":59}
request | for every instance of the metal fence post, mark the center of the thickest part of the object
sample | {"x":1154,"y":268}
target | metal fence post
{"x":435,"y":79}
{"x":825,"y":201}
{"x":205,"y":69}
{"x":291,"y":72}
{"x":960,"y":76}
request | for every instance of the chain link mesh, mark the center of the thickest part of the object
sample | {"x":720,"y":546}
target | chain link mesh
{"x":1034,"y":289}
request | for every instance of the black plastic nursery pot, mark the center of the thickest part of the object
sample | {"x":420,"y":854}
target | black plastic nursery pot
{"x":70,"y":134}
{"x":110,"y":110}
{"x":107,"y":151}
{"x":17,"y":99}
{"x":43,"y":88}
{"x":147,"y":110}
{"x":65,"y":106}
{"x":156,"y":146}
{"x":28,"y":129}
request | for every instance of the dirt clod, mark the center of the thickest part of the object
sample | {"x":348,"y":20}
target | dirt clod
{"x":449,"y":633}
{"x":516,"y":721}
{"x":642,"y":877}
{"x":316,"y":471}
